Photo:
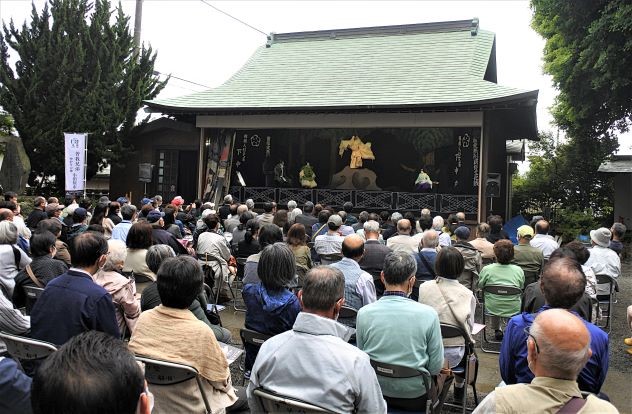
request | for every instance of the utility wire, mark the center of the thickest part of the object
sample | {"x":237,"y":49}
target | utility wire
{"x":183,"y":80}
{"x":234,"y":18}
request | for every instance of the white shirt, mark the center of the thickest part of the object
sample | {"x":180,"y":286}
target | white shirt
{"x":604,"y":261}
{"x":328,"y":243}
{"x":545,"y":243}
{"x":403,"y":243}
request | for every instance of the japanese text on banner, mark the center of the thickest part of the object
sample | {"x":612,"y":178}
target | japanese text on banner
{"x":75,"y":145}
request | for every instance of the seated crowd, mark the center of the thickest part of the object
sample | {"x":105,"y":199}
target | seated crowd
{"x":335,"y":294}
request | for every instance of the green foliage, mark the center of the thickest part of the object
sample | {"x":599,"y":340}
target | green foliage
{"x":75,"y":72}
{"x":563,"y":175}
{"x":571,"y":223}
{"x":6,"y":123}
{"x":589,"y":53}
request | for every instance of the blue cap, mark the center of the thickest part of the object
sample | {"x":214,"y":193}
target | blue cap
{"x":80,"y":212}
{"x":145,"y":201}
{"x":122,"y":200}
{"x":154,"y":215}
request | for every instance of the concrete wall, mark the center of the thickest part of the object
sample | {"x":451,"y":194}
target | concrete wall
{"x":16,"y":165}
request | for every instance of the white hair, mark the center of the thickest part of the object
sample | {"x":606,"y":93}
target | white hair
{"x":371,"y":226}
{"x":250,"y":203}
{"x":291,"y":204}
{"x":437,"y":223}
{"x":563,"y":363}
{"x":8,"y":233}
{"x":228,"y":199}
{"x":430,"y":239}
{"x":117,"y":253}
{"x":396,"y":216}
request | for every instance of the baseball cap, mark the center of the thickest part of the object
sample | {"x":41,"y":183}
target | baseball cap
{"x":525,"y":231}
{"x":177,"y":201}
{"x":145,"y":201}
{"x":80,"y":212}
{"x":122,"y":200}
{"x":601,"y":236}
{"x":71,"y":208}
{"x":335,"y":218}
{"x":154,"y":215}
{"x":462,"y":232}
{"x":54,"y":207}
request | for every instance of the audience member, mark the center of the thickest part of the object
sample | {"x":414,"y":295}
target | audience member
{"x":100,"y":217}
{"x":150,"y":298}
{"x":344,"y":229}
{"x":306,"y":218}
{"x":581,"y":255}
{"x":122,"y":289}
{"x":169,"y":221}
{"x":533,"y":297}
{"x":562,"y":283}
{"x":160,"y":236}
{"x":530,"y":259}
{"x":12,"y":258}
{"x":558,"y":346}
{"x":602,"y":260}
{"x":138,"y":241}
{"x":390,"y":226}
{"x":359,"y":287}
{"x":362,"y":218}
{"x":38,"y":214}
{"x":349,"y":384}
{"x":214,"y":251}
{"x":618,"y":233}
{"x":403,"y":241}
{"x":542,"y":240}
{"x":232,"y":221}
{"x":15,"y":388}
{"x":481,"y":243}
{"x":471,"y":256}
{"x":249,"y":245}
{"x":281,"y":220}
{"x":114,"y":212}
{"x":239,"y":232}
{"x":455,"y":304}
{"x":72,"y":303}
{"x":444,"y":238}
{"x":268,"y":234}
{"x":330,"y":243}
{"x":296,"y":239}
{"x":61,"y":249}
{"x":120,"y":230}
{"x":321,"y":226}
{"x":224,"y":210}
{"x":160,"y":332}
{"x":375,"y":252}
{"x":496,"y":231}
{"x":292,"y":211}
{"x":91,"y":373}
{"x":42,"y":269}
{"x":502,"y":273}
{"x":416,"y":343}
{"x":425,"y":258}
{"x":78,"y":226}
{"x":268,"y":213}
{"x":11,"y":321}
{"x":271,"y":307}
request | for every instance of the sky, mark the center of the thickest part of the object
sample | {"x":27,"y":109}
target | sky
{"x":196,"y":42}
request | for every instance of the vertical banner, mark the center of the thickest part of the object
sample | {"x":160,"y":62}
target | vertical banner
{"x":75,"y":145}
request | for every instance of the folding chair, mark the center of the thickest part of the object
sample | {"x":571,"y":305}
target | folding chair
{"x":530,"y":277}
{"x":397,"y":371}
{"x":32,"y":293}
{"x":209,"y":278}
{"x":606,"y":300}
{"x":140,"y":280}
{"x":159,"y":372}
{"x":254,"y":338}
{"x":500,"y":291}
{"x":27,"y":349}
{"x":213,"y":308}
{"x":277,"y":403}
{"x":452,"y":331}
{"x":327,"y":259}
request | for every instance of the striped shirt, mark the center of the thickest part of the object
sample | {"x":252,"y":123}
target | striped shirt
{"x":12,"y":320}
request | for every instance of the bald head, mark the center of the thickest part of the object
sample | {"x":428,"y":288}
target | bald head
{"x":542,"y":227}
{"x":430,"y":239}
{"x":562,"y":282}
{"x":403,"y":226}
{"x":563,"y":345}
{"x":6,"y":214}
{"x":353,"y":247}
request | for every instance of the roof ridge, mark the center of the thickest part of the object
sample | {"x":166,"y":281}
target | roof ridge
{"x":448,"y":26}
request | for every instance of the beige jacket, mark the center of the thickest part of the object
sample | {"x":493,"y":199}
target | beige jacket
{"x":123,"y":292}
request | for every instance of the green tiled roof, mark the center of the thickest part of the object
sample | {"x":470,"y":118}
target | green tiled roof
{"x":435,"y":64}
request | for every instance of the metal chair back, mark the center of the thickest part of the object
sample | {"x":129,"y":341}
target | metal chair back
{"x":453,"y":331}
{"x":347,"y":312}
{"x":32,"y":293}
{"x":159,"y":372}
{"x":277,"y":403}
{"x":499,"y":290}
{"x":26,"y":348}
{"x":606,"y":301}
{"x":248,"y":336}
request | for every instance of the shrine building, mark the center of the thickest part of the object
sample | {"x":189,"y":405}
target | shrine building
{"x":424,"y":96}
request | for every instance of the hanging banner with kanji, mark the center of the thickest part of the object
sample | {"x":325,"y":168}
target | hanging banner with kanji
{"x":75,"y":145}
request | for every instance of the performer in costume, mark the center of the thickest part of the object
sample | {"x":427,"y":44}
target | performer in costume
{"x":423,"y":182}
{"x":307,"y":176}
{"x":359,"y":150}
{"x":279,"y":174}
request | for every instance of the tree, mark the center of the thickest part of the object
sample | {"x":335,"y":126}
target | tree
{"x":6,"y":123}
{"x":589,"y":53}
{"x":75,"y":72}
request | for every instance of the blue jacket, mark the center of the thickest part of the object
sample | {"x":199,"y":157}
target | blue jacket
{"x":15,"y":388}
{"x":269,"y":313}
{"x":71,"y":304}
{"x":513,"y":354}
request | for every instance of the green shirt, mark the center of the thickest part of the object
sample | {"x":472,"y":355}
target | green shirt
{"x":400,"y":331}
{"x":503,"y":275}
